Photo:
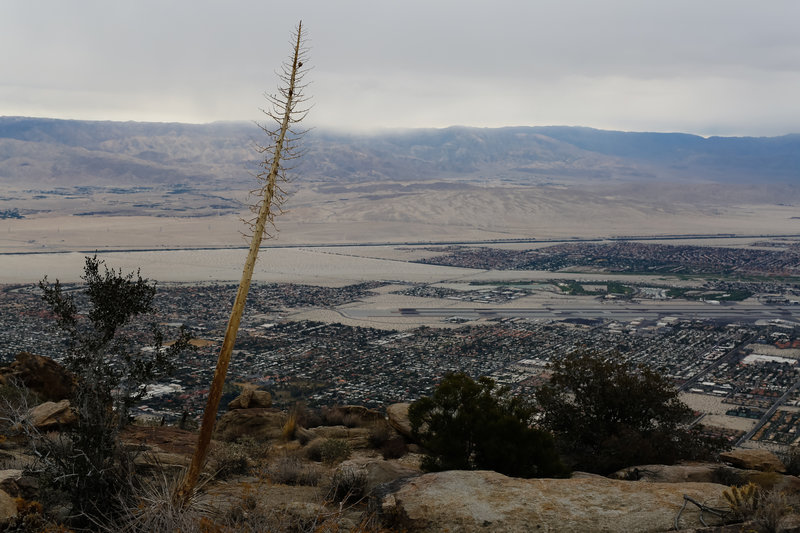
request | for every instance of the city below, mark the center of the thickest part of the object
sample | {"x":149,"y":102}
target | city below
{"x":730,"y":342}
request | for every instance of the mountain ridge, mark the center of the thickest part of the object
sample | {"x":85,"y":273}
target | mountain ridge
{"x":75,"y":152}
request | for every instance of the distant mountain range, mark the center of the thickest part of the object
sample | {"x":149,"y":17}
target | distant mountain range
{"x":39,"y":152}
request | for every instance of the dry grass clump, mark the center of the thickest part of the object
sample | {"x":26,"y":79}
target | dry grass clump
{"x":349,"y":484}
{"x":290,"y":427}
{"x":153,"y":506}
{"x":290,"y":470}
{"x":236,"y":458}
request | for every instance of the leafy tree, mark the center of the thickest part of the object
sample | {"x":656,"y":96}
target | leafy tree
{"x":111,"y":371}
{"x":468,"y":425}
{"x":606,"y":414}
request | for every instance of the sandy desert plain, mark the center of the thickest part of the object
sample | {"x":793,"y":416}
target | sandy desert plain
{"x":339,"y":238}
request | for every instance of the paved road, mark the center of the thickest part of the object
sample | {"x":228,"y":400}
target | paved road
{"x":532,"y":240}
{"x":732,"y":354}
{"x":771,"y":411}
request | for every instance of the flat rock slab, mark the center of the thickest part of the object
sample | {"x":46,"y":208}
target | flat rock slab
{"x":487,"y":501}
{"x":763,"y":460}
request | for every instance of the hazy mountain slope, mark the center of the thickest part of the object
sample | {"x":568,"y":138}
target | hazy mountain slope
{"x":68,"y":153}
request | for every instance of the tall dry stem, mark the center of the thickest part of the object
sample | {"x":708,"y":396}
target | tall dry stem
{"x":285,"y":111}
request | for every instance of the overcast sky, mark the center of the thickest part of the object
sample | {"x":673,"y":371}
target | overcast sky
{"x":710,"y":67}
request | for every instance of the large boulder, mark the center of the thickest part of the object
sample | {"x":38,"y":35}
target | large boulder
{"x":397,"y":414}
{"x":260,"y":423}
{"x":47,"y":378}
{"x":251,"y":399}
{"x":762,"y":460}
{"x":468,"y":501}
{"x":52,"y":415}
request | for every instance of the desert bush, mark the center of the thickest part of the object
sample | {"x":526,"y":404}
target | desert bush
{"x":765,"y":509}
{"x":16,"y":400}
{"x":607,"y":414}
{"x":14,"y":395}
{"x":328,"y":451}
{"x":289,"y":470}
{"x":394,"y":448}
{"x":332,"y":416}
{"x":348,"y":484}
{"x":111,"y":373}
{"x":379,"y":433}
{"x":335,"y":451}
{"x":791,"y":460}
{"x":304,"y":437}
{"x":230,"y":460}
{"x":469,"y":425}
{"x":352,"y":420}
{"x":314,"y":449}
{"x":773,"y":506}
{"x":731,"y":477}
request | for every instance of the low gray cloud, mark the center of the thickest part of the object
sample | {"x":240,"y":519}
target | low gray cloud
{"x":713,"y":67}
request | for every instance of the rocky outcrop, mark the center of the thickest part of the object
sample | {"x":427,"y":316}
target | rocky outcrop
{"x":683,"y":473}
{"x":762,"y":460}
{"x":48,"y":379}
{"x":251,"y":399}
{"x":258,"y":423}
{"x":709,"y":473}
{"x":356,"y":437}
{"x":397,"y":414}
{"x":52,"y":415}
{"x":487,"y":501}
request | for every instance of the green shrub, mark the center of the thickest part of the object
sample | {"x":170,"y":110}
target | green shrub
{"x":334,"y":451}
{"x":111,"y":372}
{"x":469,"y":425}
{"x":328,"y":451}
{"x":607,"y":414}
